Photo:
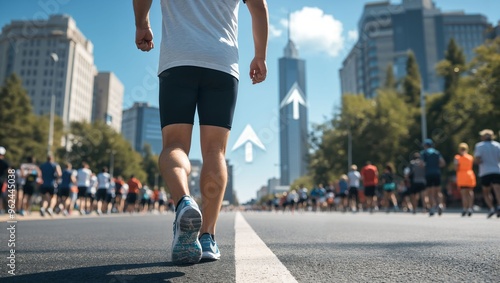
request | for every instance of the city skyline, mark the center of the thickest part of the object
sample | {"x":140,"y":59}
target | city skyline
{"x":416,"y":26}
{"x":323,"y":49}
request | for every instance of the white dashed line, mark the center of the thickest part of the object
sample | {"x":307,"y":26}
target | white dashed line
{"x":255,"y":262}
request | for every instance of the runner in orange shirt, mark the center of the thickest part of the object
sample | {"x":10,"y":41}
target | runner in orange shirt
{"x":134,"y":185}
{"x":466,"y":179}
{"x":369,"y":176}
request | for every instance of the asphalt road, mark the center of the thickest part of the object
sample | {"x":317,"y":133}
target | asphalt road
{"x":313,"y":247}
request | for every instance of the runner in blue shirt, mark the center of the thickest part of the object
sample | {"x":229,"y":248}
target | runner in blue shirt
{"x":51,"y":171}
{"x":433,"y":164}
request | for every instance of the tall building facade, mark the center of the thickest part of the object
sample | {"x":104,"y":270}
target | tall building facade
{"x":388,"y":31}
{"x":229,"y":194}
{"x":52,"y":57}
{"x":108,"y":100}
{"x":194,"y":178}
{"x":141,"y":125}
{"x":194,"y":181}
{"x":293,"y":115}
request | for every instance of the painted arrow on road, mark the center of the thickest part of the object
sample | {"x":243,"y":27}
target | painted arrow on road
{"x":249,"y":139}
{"x":295,"y":97}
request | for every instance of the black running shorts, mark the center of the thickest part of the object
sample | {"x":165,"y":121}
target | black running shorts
{"x":82,"y":191}
{"x":370,"y":191}
{"x":417,"y":188}
{"x":490,"y":179}
{"x":47,"y":190}
{"x":185,"y":88}
{"x":433,"y":180}
{"x":63,"y":192}
{"x":101,"y":194}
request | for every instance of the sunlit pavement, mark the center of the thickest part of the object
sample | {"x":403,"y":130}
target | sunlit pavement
{"x":306,"y":247}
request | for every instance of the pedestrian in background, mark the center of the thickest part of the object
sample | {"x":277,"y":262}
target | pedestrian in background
{"x":369,"y":176}
{"x":487,"y":155}
{"x":389,"y":187}
{"x":433,"y":161}
{"x":51,"y":172}
{"x":466,"y":179}
{"x":416,"y":177}
{"x":354,"y":178}
{"x":32,"y":176}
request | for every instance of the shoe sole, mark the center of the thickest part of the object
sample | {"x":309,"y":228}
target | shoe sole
{"x":210,"y":256}
{"x":186,"y":247}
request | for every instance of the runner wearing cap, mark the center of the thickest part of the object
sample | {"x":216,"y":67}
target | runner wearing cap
{"x":487,"y":155}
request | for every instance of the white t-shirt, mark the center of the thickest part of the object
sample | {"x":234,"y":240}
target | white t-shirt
{"x":83,"y":177}
{"x":354,"y":178}
{"x":200,"y":33}
{"x":92,"y":188}
{"x":489,"y":152}
{"x":104,"y":180}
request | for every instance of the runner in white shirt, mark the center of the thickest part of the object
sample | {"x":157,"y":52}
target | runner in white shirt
{"x":83,"y":184}
{"x":90,"y":195}
{"x":487,"y":155}
{"x":354,"y":178}
{"x":104,"y":183}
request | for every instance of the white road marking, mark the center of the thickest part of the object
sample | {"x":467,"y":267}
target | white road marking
{"x":255,"y":262}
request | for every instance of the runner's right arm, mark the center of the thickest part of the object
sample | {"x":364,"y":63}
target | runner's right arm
{"x":260,"y":28}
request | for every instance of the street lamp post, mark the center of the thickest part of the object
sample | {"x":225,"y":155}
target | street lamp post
{"x":54,"y":58}
{"x":349,"y":148}
{"x":423,"y":114}
{"x":112,"y":162}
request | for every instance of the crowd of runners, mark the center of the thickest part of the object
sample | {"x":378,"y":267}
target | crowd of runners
{"x":418,"y":187}
{"x":65,"y":190}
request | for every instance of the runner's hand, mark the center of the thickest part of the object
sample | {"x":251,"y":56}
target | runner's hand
{"x":258,"y":70}
{"x":144,"y":39}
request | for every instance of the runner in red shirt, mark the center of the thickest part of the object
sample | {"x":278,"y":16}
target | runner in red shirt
{"x":369,"y":176}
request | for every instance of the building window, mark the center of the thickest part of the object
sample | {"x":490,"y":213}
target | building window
{"x":22,"y":72}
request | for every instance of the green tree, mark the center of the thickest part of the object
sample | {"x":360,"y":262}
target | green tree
{"x":150,"y":165}
{"x":97,"y":143}
{"x":442,"y":128}
{"x":23,"y":134}
{"x":390,"y":80}
{"x":412,"y":81}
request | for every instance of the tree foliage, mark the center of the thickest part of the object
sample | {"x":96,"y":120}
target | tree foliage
{"x":387,"y":128}
{"x":150,"y":166}
{"x":22,"y":133}
{"x":97,"y":144}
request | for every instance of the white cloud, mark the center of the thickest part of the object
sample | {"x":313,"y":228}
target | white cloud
{"x":313,"y":30}
{"x":274,"y":31}
{"x":352,"y":35}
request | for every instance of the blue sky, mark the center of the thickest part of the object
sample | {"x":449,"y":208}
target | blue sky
{"x":110,"y":26}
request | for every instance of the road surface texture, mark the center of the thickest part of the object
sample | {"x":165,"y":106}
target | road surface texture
{"x":261,"y":247}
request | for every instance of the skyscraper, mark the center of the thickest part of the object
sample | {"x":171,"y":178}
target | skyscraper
{"x":141,"y":125}
{"x":108,"y":100}
{"x":293,"y":115}
{"x":52,"y":57}
{"x":388,"y":31}
{"x":194,"y":178}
